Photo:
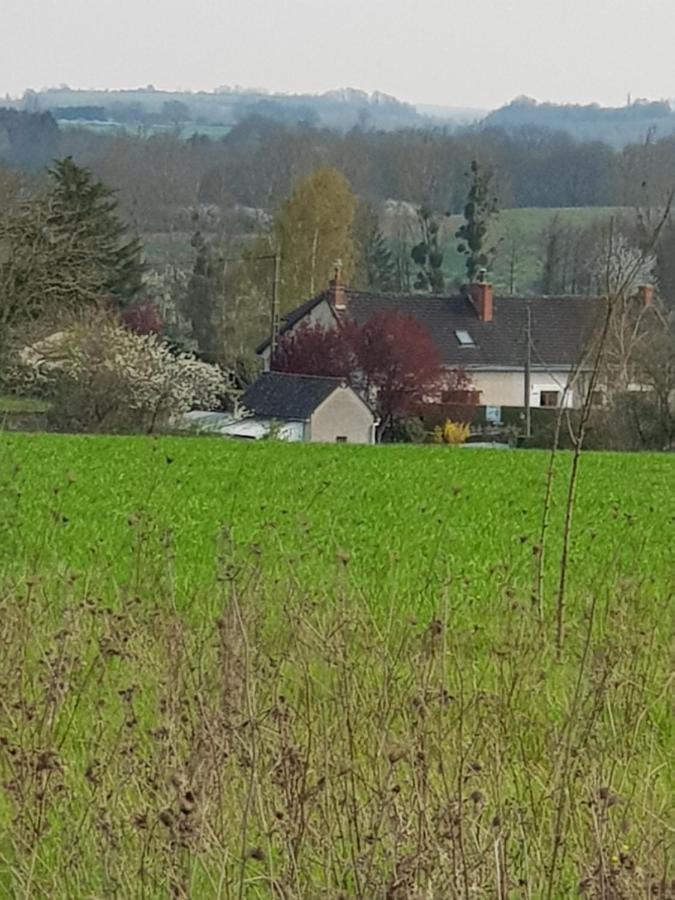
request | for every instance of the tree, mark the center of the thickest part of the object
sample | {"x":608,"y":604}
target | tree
{"x":376,"y":269}
{"x":41,"y":271}
{"x":427,"y":254}
{"x":316,"y":350}
{"x":392,"y":358}
{"x":100,"y":376}
{"x":665,"y":264}
{"x":312,"y":230}
{"x":82,"y":207}
{"x":481,"y":207}
{"x":204,"y":298}
{"x":400,"y":364}
{"x":176,"y":112}
{"x":63,"y":250}
{"x":28,"y":140}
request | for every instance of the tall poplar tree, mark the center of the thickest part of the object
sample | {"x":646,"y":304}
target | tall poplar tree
{"x":313,"y":229}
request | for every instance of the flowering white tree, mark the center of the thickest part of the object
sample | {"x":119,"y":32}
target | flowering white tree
{"x":103,"y":377}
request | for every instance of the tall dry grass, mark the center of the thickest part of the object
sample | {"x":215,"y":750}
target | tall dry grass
{"x":296,"y":749}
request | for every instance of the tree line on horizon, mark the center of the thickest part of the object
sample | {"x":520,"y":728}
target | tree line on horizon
{"x":256,"y":164}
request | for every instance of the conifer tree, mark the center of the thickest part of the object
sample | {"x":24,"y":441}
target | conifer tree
{"x":376,"y":270}
{"x":83,"y":210}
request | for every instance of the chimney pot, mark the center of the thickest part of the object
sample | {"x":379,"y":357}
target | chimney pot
{"x":482,"y":297}
{"x":336,"y":289}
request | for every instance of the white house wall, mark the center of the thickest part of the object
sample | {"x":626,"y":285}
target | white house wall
{"x":343,"y":415}
{"x":508,"y":388}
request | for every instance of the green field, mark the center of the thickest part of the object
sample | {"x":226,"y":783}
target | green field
{"x":316,"y":671}
{"x":411,"y":519}
{"x":518,"y":236}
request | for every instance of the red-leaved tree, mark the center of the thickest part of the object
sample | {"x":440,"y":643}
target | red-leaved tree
{"x":391,"y":357}
{"x":400,"y":366}
{"x":143,"y":317}
{"x":316,"y":350}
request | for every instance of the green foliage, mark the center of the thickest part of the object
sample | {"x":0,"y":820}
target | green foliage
{"x":82,"y":206}
{"x":481,"y":207}
{"x":427,"y":254}
{"x":313,"y":229}
{"x":376,"y":269}
{"x":64,"y":249}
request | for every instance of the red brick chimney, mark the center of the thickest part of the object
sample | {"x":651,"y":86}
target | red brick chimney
{"x":337,"y":296}
{"x":646,"y":294}
{"x":482,"y":295}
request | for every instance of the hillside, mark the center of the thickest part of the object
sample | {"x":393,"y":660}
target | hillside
{"x":202,"y":112}
{"x":616,"y":126}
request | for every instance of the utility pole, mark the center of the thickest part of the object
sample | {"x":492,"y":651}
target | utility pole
{"x":274,"y":324}
{"x":275,"y":315}
{"x":527,"y":385}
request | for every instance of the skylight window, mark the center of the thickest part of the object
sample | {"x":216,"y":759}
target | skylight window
{"x":465,"y":339}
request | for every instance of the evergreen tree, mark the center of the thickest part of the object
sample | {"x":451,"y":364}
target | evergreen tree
{"x":380,"y":263}
{"x":481,"y":207}
{"x":427,"y":254}
{"x":376,"y":270}
{"x":83,"y":208}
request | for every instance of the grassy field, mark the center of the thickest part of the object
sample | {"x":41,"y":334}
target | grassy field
{"x":519,"y":235}
{"x":305,"y":671}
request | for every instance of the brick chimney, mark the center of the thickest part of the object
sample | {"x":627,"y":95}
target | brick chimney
{"x":482,"y":295}
{"x":336,"y":290}
{"x":646,"y":294}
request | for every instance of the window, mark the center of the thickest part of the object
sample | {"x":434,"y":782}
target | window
{"x":549,"y":398}
{"x":465,"y":339}
{"x":341,"y":439}
{"x":598,"y":398}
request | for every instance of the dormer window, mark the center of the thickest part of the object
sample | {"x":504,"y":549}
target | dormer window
{"x":464,"y":339}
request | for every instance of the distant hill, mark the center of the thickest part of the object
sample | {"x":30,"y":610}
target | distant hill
{"x":202,"y":112}
{"x":453,"y":115}
{"x":617,"y":126}
{"x":215,"y":113}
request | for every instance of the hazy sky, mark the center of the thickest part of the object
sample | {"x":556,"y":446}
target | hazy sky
{"x":469,"y":53}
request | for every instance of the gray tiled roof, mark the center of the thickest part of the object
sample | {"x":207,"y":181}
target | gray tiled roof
{"x":561,"y":326}
{"x":278,"y":395}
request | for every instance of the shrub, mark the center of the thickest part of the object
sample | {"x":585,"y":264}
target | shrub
{"x":451,"y":433}
{"x":103,"y":377}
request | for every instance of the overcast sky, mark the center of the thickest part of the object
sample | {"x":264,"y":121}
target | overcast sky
{"x":478,"y":53}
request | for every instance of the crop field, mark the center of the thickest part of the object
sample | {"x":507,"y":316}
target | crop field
{"x":314,"y":671}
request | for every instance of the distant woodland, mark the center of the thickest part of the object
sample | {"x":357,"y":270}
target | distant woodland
{"x":204,"y":180}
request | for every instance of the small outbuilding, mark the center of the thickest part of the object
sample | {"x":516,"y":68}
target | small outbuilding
{"x":310,"y":408}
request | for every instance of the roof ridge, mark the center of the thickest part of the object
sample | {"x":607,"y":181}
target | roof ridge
{"x":305,"y":375}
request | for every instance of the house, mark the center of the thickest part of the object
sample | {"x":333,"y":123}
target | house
{"x":295,"y":408}
{"x":484,"y":334}
{"x":318,"y":409}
